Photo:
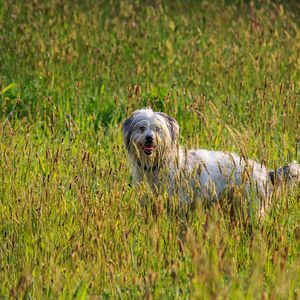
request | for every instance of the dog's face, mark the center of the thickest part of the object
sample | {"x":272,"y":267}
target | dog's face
{"x":147,"y":133}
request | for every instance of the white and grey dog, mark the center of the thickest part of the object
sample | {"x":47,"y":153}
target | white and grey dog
{"x":151,"y":139}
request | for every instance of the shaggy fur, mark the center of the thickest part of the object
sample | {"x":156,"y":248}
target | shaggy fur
{"x":151,"y":139}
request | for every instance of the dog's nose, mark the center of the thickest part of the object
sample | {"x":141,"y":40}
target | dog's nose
{"x":149,"y":138}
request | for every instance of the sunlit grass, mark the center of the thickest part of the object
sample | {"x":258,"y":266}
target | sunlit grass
{"x":70,"y":221}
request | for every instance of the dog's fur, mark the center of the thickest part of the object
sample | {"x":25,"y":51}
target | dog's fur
{"x":151,"y":139}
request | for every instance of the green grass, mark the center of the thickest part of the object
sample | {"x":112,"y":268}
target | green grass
{"x":70,"y":222}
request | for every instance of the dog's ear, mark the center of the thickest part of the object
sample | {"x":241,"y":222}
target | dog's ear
{"x":127,"y":130}
{"x":172,"y":125}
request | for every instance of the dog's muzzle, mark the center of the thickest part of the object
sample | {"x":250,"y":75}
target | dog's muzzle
{"x":149,"y":145}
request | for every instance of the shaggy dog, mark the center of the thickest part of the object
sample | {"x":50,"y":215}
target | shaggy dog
{"x":151,"y":139}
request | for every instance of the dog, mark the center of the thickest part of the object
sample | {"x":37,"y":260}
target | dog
{"x":151,"y":140}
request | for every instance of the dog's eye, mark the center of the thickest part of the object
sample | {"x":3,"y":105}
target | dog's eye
{"x":142,"y":128}
{"x":157,"y":129}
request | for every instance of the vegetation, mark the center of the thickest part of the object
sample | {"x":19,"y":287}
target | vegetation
{"x":70,"y":222}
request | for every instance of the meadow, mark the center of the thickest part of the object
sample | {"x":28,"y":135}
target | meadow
{"x":71,"y":226}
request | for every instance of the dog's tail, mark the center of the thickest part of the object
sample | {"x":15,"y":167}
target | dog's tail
{"x":287,"y":174}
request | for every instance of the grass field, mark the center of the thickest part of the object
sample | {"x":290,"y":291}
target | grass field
{"x":70,"y":221}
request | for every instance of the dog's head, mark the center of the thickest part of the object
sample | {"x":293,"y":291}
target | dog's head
{"x":147,"y":133}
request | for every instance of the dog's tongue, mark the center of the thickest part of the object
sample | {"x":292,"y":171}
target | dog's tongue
{"x":148,"y":148}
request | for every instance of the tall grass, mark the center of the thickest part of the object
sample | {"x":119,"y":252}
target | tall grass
{"x":70,"y":221}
